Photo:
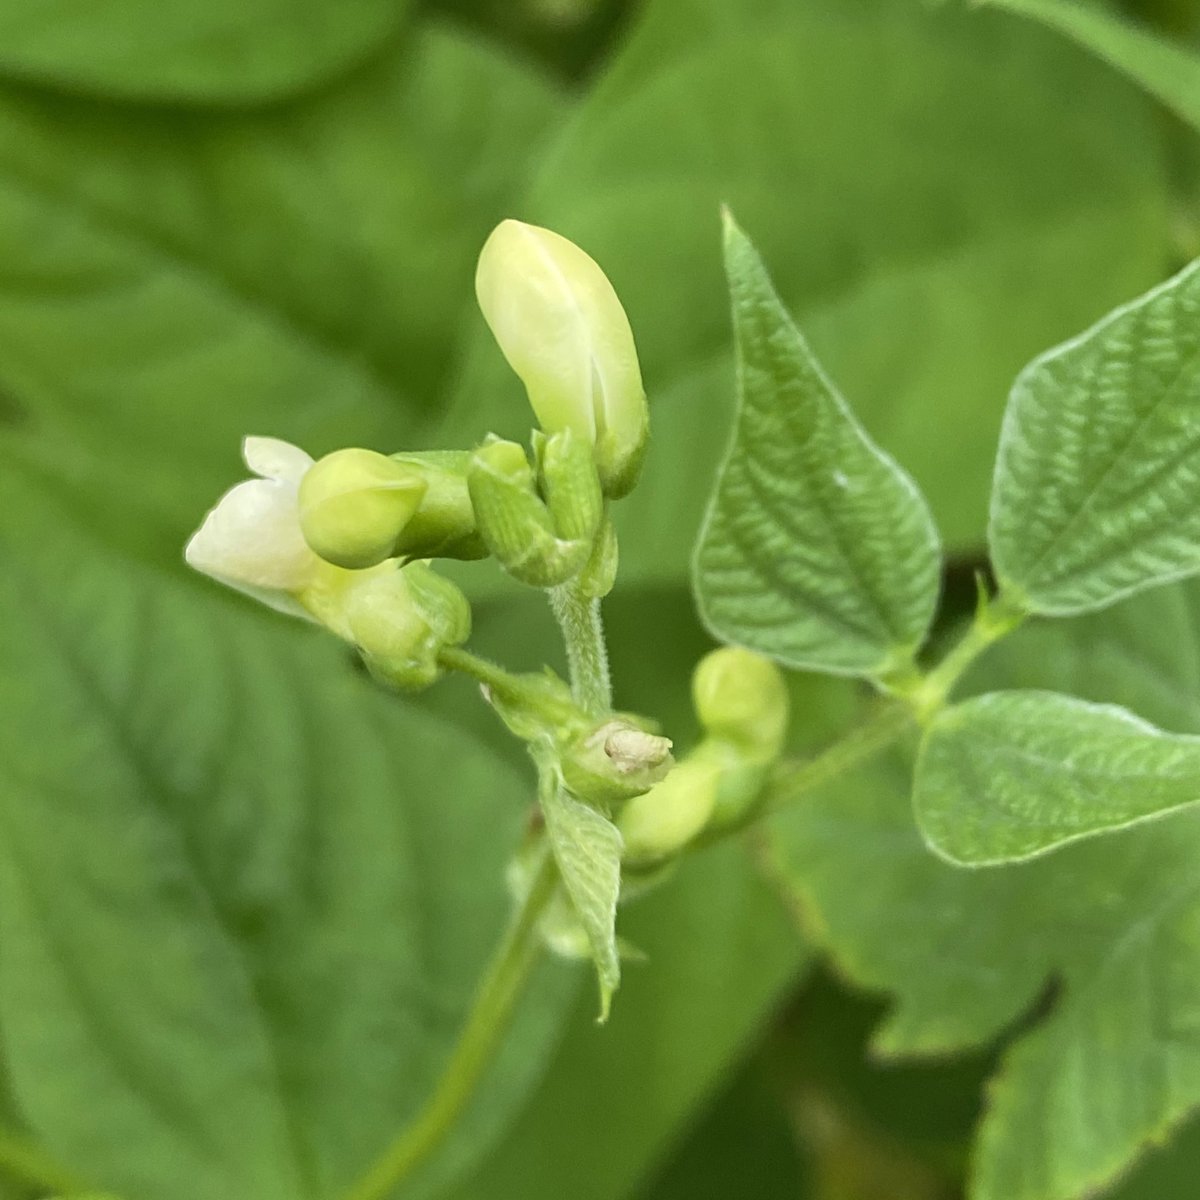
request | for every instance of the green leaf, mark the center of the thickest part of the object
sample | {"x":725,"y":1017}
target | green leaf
{"x":899,"y":253}
{"x":817,"y":548}
{"x":587,"y":849}
{"x":245,"y":896}
{"x":226,"y":51}
{"x":1169,"y":72}
{"x":1097,"y":487}
{"x":169,"y":283}
{"x":1113,"y":1063}
{"x":1011,"y":775}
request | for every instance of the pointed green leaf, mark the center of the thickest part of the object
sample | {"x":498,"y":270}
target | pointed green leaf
{"x":1097,"y":487}
{"x":817,"y":548}
{"x":587,"y":849}
{"x":1112,"y":1066}
{"x":1010,"y":775}
{"x":1167,"y":71}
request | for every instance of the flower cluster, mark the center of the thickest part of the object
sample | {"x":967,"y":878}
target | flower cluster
{"x":347,"y":541}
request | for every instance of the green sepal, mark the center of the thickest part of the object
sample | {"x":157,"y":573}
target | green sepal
{"x":538,"y":708}
{"x":570,"y":484}
{"x":402,"y":619}
{"x":614,"y":761}
{"x":515,"y":523}
{"x":444,"y":525}
{"x":599,"y":573}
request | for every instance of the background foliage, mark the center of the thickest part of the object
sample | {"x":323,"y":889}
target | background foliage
{"x":244,"y":897}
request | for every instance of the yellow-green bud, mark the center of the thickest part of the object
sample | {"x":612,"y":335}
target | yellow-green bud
{"x":563,"y":331}
{"x":742,"y":697}
{"x":354,"y":504}
{"x":661,"y":822}
{"x":401,"y":619}
{"x":615,"y":761}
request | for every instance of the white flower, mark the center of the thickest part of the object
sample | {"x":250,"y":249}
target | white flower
{"x":251,"y":540}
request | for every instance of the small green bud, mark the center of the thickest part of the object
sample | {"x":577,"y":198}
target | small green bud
{"x":353,"y":505}
{"x":401,"y":619}
{"x":658,"y":824}
{"x":614,"y":761}
{"x":514,"y":522}
{"x":742,"y":697}
{"x":741,"y":786}
{"x":562,"y":329}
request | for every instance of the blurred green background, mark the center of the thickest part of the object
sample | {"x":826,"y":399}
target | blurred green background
{"x":244,"y":896}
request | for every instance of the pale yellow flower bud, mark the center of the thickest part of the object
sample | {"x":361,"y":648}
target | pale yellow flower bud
{"x":742,"y":697}
{"x":355,"y":503}
{"x":563,"y":331}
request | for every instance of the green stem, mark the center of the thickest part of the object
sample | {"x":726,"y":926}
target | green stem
{"x":882,"y":728}
{"x":578,"y":617}
{"x":490,"y":1014}
{"x":993,"y":620}
{"x":793,"y":779}
{"x":455,"y":658}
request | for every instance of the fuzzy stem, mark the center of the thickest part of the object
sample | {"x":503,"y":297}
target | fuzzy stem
{"x":578,"y":617}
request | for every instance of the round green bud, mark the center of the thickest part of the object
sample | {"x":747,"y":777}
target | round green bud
{"x":661,"y":822}
{"x":401,"y":619}
{"x":354,"y":505}
{"x":615,"y":761}
{"x":742,"y":697}
{"x":563,"y":331}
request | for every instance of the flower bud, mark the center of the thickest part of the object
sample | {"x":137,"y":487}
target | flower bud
{"x":515,"y":524}
{"x":563,"y":331}
{"x":400,"y":619}
{"x":615,"y":761}
{"x":354,"y":504}
{"x":741,"y":696}
{"x":661,"y":822}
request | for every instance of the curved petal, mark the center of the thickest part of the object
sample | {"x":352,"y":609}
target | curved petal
{"x":273,"y":458}
{"x":252,"y":538}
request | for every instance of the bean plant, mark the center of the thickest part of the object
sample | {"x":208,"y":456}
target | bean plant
{"x":627,"y":757}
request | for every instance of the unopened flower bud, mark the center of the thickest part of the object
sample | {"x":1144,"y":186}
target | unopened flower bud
{"x":661,"y":822}
{"x":355,"y":503}
{"x":742,"y":697}
{"x":562,"y":329}
{"x":400,"y":619}
{"x":615,"y":761}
